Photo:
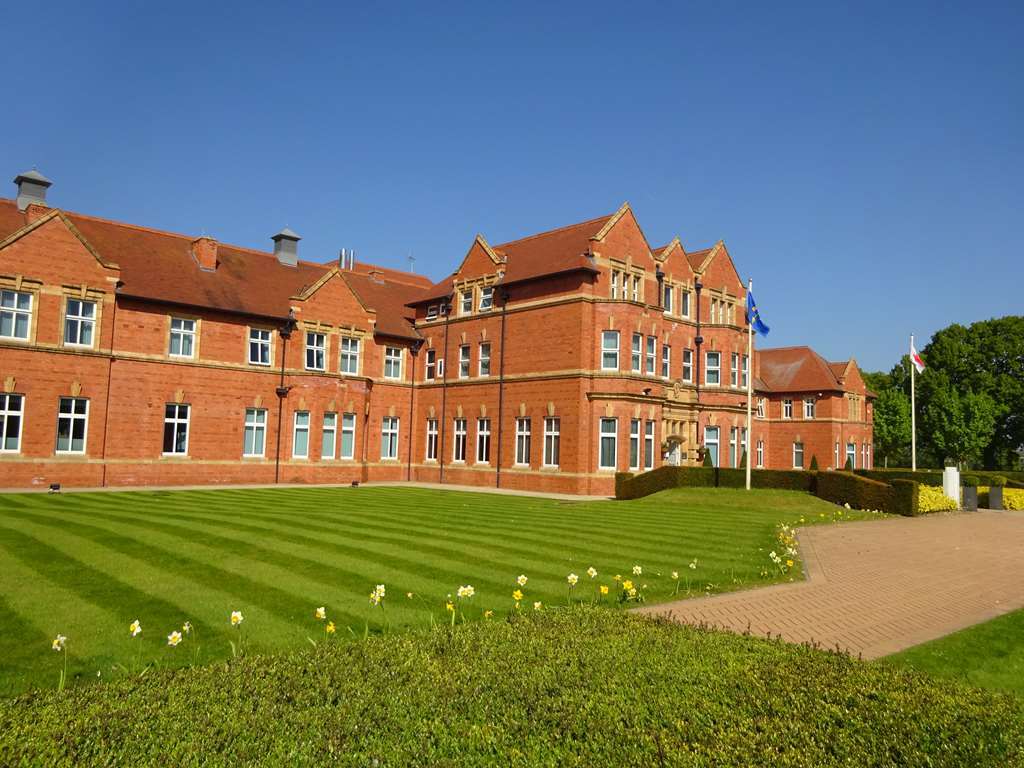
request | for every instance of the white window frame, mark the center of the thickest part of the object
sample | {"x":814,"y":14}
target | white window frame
{"x":433,"y":311}
{"x":483,"y":359}
{"x":466,"y":302}
{"x":79,"y":321}
{"x":348,"y":427}
{"x":615,"y":284}
{"x":744,"y":371}
{"x":851,"y":455}
{"x":483,"y":440}
{"x":430,"y":365}
{"x":486,"y":303}
{"x":256,"y":421}
{"x":717,"y":442}
{"x":635,"y":426}
{"x":10,"y":311}
{"x":552,"y":441}
{"x":330,"y":427}
{"x":688,"y":366}
{"x":667,"y":292}
{"x":296,"y":429}
{"x":734,"y":434}
{"x":836,"y":455}
{"x":636,"y":353}
{"x":187,"y":330}
{"x":708,"y":368}
{"x":637,"y":293}
{"x":809,"y":407}
{"x":787,"y":409}
{"x":666,"y":361}
{"x":312,"y":337}
{"x":760,"y":453}
{"x":176,"y":421}
{"x":609,"y":350}
{"x":613,"y":436}
{"x":734,"y":369}
{"x":73,"y":418}
{"x":651,"y":356}
{"x":684,"y":302}
{"x":394,"y":357}
{"x":760,"y":407}
{"x":261,"y":339}
{"x":459,"y":431}
{"x":648,"y":445}
{"x":6,"y":414}
{"x":798,"y":451}
{"x":390,"y":427}
{"x":524,"y":430}
{"x":348,"y":356}
{"x":430,"y":451}
{"x":464,"y":361}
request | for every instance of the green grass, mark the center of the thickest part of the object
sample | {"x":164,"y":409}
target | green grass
{"x":990,"y":655}
{"x":569,"y":687}
{"x":86,"y":565}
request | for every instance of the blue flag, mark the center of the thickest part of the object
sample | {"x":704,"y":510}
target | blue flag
{"x":753,"y":317}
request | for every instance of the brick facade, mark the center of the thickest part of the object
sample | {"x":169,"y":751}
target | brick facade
{"x":539,"y":317}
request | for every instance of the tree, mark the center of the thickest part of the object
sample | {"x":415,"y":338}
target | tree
{"x":959,"y":426}
{"x":814,"y":463}
{"x":892,"y":426}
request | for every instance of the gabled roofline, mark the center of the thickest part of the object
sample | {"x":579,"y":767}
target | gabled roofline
{"x":662,"y":255}
{"x":310,"y":290}
{"x":58,"y":214}
{"x":623,"y":209}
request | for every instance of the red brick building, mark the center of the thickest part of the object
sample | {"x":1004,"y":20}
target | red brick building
{"x":130,"y":356}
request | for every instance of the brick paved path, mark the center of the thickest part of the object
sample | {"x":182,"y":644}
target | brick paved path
{"x":877,"y":587}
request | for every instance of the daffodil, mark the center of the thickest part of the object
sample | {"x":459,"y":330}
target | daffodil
{"x":693,"y":564}
{"x":616,"y":577}
{"x":59,"y":642}
{"x":675,"y":574}
{"x":572,"y":578}
{"x":135,"y":628}
{"x":521,"y":580}
{"x":187,"y":627}
{"x":488,"y":614}
{"x":592,"y":572}
{"x":537,"y":605}
{"x":450,"y":606}
{"x":174,"y":638}
{"x":236,"y":618}
{"x":320,"y":613}
{"x":380,"y":590}
{"x":789,"y":563}
{"x":637,"y":570}
{"x":330,"y":628}
{"x":409,"y":595}
{"x":517,"y":595}
{"x":466,"y":591}
{"x":604,"y":589}
{"x":627,"y":585}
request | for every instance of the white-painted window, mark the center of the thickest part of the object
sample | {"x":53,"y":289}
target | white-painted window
{"x":713,"y":369}
{"x":316,"y":351}
{"x":15,"y":314}
{"x":183,"y":337}
{"x":609,"y":444}
{"x":667,"y":294}
{"x":552,"y":441}
{"x":688,"y":366}
{"x":79,"y":322}
{"x":684,"y":302}
{"x":430,"y":370}
{"x":636,"y":353}
{"x":798,"y":455}
{"x":300,"y":435}
{"x":459,"y":442}
{"x":466,"y":302}
{"x":634,"y":445}
{"x":349,"y":355}
{"x":744,"y":372}
{"x":348,"y":436}
{"x":329,"y":435}
{"x":431,"y":451}
{"x":12,"y":416}
{"x":760,"y":453}
{"x":851,"y":454}
{"x":809,"y":407}
{"x":389,"y":438}
{"x":610,"y":351}
{"x":666,"y":361}
{"x":259,"y":346}
{"x":648,"y":445}
{"x":72,"y":424}
{"x":464,"y":361}
{"x":254,"y":439}
{"x":523,"y":442}
{"x":432,"y":312}
{"x":615,"y":284}
{"x":483,"y":441}
{"x":486,"y":298}
{"x":176,"y":423}
{"x":393,"y":362}
{"x":637,"y":292}
{"x":711,"y":443}
{"x":760,"y":407}
{"x":734,"y":369}
{"x":787,"y":409}
{"x":484,"y":359}
{"x":652,"y":354}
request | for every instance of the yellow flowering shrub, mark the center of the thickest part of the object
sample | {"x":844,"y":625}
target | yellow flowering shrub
{"x":932,"y":499}
{"x":1013,"y":498}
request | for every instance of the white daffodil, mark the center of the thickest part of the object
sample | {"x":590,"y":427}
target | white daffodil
{"x":538,"y":605}
{"x":521,"y":580}
{"x":693,"y":564}
{"x":320,"y":613}
{"x":187,"y":627}
{"x":236,"y":618}
{"x":135,"y":628}
{"x":572,"y":578}
{"x":637,"y":570}
{"x":675,"y":575}
{"x":592,"y":572}
{"x":174,"y":638}
{"x":466,"y":591}
{"x":59,"y":642}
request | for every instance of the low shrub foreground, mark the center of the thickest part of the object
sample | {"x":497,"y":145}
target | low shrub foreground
{"x":571,"y":687}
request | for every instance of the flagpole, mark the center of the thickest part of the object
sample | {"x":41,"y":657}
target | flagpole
{"x":913,"y":411}
{"x":750,"y":376}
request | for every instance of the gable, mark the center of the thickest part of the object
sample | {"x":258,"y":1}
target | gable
{"x":718,"y":271}
{"x":622,"y":239}
{"x":52,"y":250}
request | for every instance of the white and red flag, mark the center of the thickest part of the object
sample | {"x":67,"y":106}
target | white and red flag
{"x":915,"y":358}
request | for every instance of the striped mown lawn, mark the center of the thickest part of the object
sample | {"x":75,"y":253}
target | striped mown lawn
{"x":85,"y":565}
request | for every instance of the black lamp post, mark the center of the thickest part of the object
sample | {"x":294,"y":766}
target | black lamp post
{"x":661,"y":281}
{"x":285,"y":332}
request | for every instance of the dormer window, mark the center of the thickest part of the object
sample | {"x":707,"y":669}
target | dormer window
{"x":432,"y":312}
{"x":486,"y":299}
{"x":466,"y":302}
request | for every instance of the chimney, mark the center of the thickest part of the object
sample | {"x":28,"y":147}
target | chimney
{"x":286,"y":247}
{"x":204,"y":250}
{"x":346,"y":259}
{"x":32,"y":186}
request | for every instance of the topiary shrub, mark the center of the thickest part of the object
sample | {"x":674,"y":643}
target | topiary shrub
{"x":814,"y":463}
{"x":997,"y":480}
{"x":707,"y":459}
{"x":848,"y":466}
{"x":969,"y":481}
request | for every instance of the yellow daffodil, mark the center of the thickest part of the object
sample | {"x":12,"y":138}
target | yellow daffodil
{"x":59,"y":642}
{"x":572,"y":578}
{"x":450,"y":606}
{"x":320,"y":613}
{"x":521,"y":580}
{"x":330,"y":628}
{"x":236,"y":618}
{"x":592,"y":572}
{"x":616,"y":577}
{"x":604,"y":589}
{"x":466,"y":591}
{"x":789,"y":563}
{"x":488,"y":614}
{"x":174,"y":638}
{"x":135,"y":628}
{"x":627,"y":585}
{"x":517,"y":595}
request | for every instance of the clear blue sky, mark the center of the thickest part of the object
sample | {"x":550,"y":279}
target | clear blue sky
{"x":864,"y":166}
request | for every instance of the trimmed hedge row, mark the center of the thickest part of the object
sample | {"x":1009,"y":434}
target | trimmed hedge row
{"x":898,"y":497}
{"x":934,"y":476}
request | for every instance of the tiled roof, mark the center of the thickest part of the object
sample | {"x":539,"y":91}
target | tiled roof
{"x":159,"y":266}
{"x":696,"y":258}
{"x":796,"y":369}
{"x":546,"y":253}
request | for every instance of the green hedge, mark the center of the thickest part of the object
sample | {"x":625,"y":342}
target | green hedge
{"x":899,"y":498}
{"x":629,"y":486}
{"x":934,"y":476}
{"x":564,"y":687}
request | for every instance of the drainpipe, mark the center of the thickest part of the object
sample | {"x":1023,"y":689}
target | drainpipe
{"x":285,"y":331}
{"x":661,"y":282}
{"x":503,"y":292}
{"x":110,"y":372}
{"x":697,"y":342}
{"x":366,"y":428}
{"x":414,"y":351}
{"x":447,"y":309}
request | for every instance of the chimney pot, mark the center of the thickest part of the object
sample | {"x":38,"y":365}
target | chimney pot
{"x":32,"y":186}
{"x":204,"y":250}
{"x":286,"y":247}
